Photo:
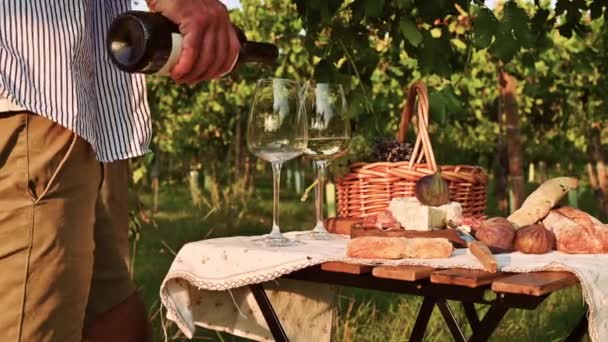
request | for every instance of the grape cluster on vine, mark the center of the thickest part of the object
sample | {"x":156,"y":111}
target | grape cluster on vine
{"x":391,"y":150}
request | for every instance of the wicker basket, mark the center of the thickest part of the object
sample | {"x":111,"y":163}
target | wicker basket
{"x":368,"y":188}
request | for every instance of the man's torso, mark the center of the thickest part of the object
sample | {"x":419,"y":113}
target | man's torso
{"x":53,"y":63}
{"x":7,"y":105}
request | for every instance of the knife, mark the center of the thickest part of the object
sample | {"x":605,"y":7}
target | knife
{"x":477,"y":248}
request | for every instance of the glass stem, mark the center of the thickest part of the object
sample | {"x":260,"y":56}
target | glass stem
{"x":319,"y":193}
{"x":276,"y":182}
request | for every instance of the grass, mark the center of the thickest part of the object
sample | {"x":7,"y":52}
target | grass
{"x":363,"y":315}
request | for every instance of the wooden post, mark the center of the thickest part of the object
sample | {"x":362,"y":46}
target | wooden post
{"x":598,"y":176}
{"x":248,"y":184}
{"x":542,"y":172}
{"x":289,"y":179}
{"x":330,"y":196}
{"x":155,"y":182}
{"x":499,"y":169}
{"x":573,"y":198}
{"x":195,"y":189}
{"x":238,"y":141}
{"x":531,"y":173}
{"x":507,"y":86}
{"x":298,"y":179}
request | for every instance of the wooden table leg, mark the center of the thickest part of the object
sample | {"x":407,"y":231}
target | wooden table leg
{"x":490,"y":322}
{"x":268,"y":311}
{"x":580,"y":330}
{"x":450,"y":320}
{"x":471,"y":313}
{"x":424,"y":315}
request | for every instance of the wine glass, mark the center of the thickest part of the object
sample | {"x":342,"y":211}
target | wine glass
{"x":328,"y":139}
{"x":277,"y":132}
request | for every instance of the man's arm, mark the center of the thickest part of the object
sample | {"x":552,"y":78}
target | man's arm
{"x":210,"y":44}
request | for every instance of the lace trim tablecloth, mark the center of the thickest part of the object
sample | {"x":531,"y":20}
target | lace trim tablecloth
{"x":207,"y":269}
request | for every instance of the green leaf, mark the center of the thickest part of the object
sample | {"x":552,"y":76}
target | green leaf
{"x":561,"y":6}
{"x":300,"y":7}
{"x":434,"y":57}
{"x":444,"y":104}
{"x":313,"y":4}
{"x":436,"y":32}
{"x":571,"y":6}
{"x":581,"y":29}
{"x":528,"y":61}
{"x":516,"y":19}
{"x":539,"y":21}
{"x":572,"y":9}
{"x":484,"y":28}
{"x":401,"y":4}
{"x":459,"y":44}
{"x":566,"y":29}
{"x":327,"y":72}
{"x":138,"y":174}
{"x":410,"y":32}
{"x":514,"y":15}
{"x":430,"y":10}
{"x":511,"y":33}
{"x":324,"y":71}
{"x":505,"y":46}
{"x":326,"y":8}
{"x":358,"y":10}
{"x":356,"y":103}
{"x":373,"y":8}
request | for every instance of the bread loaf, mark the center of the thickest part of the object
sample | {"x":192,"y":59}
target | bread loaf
{"x":373,"y":247}
{"x":539,"y":203}
{"x":577,"y":232}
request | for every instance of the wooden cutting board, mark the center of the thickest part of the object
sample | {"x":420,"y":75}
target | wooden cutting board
{"x":342,"y":267}
{"x":352,"y":227}
{"x":450,"y":234}
{"x":535,"y":283}
{"x":465,"y":277}
{"x":341,"y":225}
{"x":407,"y":273}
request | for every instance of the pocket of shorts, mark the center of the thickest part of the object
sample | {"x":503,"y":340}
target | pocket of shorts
{"x":49,"y":147}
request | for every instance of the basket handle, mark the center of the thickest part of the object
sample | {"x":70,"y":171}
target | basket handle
{"x":423,"y":146}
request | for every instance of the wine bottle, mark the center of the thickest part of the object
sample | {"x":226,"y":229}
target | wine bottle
{"x":150,"y":43}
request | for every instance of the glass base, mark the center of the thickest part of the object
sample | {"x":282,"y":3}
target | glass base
{"x":319,"y":235}
{"x":277,"y":240}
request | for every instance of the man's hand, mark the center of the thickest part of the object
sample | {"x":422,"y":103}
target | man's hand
{"x":210,"y":43}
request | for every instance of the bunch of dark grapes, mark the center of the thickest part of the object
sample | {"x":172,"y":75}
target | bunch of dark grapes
{"x":390,"y":150}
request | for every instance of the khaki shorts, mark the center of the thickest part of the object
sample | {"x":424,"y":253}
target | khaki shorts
{"x":63,"y":231}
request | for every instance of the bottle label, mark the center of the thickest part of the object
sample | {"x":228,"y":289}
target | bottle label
{"x":176,"y":49}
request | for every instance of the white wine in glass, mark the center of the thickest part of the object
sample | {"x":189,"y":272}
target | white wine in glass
{"x":277,"y":132}
{"x":328,"y":139}
{"x":320,"y":148}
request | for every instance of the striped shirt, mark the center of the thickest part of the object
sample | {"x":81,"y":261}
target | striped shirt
{"x":53,"y":62}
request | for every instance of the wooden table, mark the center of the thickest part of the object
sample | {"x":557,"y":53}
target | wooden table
{"x":521,"y":291}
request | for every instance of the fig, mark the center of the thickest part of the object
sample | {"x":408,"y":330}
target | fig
{"x":432,"y":190}
{"x":497,"y":233}
{"x":534,"y":239}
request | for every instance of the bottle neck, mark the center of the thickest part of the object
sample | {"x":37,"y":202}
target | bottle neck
{"x":254,"y":52}
{"x":257,"y":52}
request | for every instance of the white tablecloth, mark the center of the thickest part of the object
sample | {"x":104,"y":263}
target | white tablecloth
{"x":194,"y":292}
